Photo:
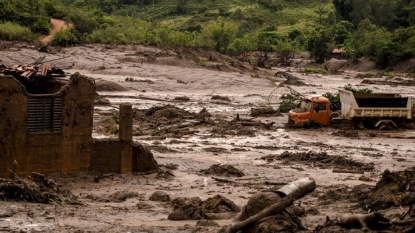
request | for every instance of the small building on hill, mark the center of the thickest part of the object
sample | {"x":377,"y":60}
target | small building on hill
{"x":337,"y":53}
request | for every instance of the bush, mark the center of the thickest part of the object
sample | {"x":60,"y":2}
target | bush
{"x":65,"y":37}
{"x":41,"y":26}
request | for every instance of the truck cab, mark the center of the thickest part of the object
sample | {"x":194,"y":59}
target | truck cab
{"x":314,"y":111}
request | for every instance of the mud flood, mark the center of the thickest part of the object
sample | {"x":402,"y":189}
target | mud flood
{"x":214,"y":156}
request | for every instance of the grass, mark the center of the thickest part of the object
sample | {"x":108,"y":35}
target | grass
{"x":13,"y":31}
{"x":315,"y":70}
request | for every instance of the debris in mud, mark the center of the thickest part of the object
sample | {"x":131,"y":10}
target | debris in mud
{"x":395,"y":82}
{"x":215,"y":150}
{"x":223,"y":170}
{"x":266,"y":110}
{"x":102,"y":101}
{"x":160,"y":196}
{"x":164,"y":174}
{"x":182,"y":98}
{"x":321,"y":159}
{"x":267,"y":212}
{"x":31,"y":71}
{"x":372,"y":221}
{"x":232,"y":128}
{"x":258,"y":202}
{"x":290,"y":101}
{"x":35,"y":188}
{"x":355,"y":223}
{"x":393,"y":189}
{"x":204,"y":115}
{"x":346,"y":133}
{"x":119,"y":196}
{"x":161,"y":149}
{"x":290,"y":79}
{"x":207,"y":223}
{"x":186,"y":208}
{"x":102,"y":85}
{"x":162,"y":114}
{"x":221,"y":98}
{"x":139,"y":80}
{"x":217,"y":207}
{"x":170,"y":166}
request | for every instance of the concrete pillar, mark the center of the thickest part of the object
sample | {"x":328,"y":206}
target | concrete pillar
{"x":126,"y":122}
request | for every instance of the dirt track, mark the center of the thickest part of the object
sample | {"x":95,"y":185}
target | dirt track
{"x":159,"y":78}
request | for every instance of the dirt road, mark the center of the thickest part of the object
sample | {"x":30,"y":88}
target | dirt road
{"x":269,"y":154}
{"x":57,"y":25}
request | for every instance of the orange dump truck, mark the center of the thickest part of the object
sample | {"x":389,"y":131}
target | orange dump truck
{"x":363,"y":110}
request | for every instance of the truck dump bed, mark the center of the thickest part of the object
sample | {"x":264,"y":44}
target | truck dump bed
{"x":375,"y":105}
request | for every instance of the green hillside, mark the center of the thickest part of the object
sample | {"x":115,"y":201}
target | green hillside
{"x":381,"y":30}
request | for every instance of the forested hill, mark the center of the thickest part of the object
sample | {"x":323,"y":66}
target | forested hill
{"x":381,"y":30}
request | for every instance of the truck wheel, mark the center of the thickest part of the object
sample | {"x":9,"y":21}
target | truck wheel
{"x":385,"y":126}
{"x":311,"y":124}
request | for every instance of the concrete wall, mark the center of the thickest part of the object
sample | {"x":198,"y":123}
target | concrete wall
{"x":105,"y":156}
{"x":66,"y":151}
{"x":111,"y":156}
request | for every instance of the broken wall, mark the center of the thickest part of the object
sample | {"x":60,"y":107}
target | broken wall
{"x":41,"y":142}
{"x":121,"y":156}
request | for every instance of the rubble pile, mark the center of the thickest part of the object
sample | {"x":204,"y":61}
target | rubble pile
{"x":35,"y":188}
{"x":30,"y":71}
{"x":284,"y":221}
{"x":223,"y":170}
{"x":217,"y":207}
{"x":320,"y":159}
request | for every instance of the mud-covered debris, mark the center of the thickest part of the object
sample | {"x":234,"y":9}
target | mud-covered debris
{"x":346,"y":133}
{"x":160,"y":196}
{"x":232,"y":128}
{"x":223,"y":170}
{"x":118,"y":196}
{"x":290,"y":79}
{"x":167,"y":111}
{"x":283,"y":221}
{"x":102,"y":85}
{"x":265,"y":110}
{"x":258,"y":202}
{"x":217,"y":207}
{"x":372,"y":221}
{"x":221,"y":98}
{"x":215,"y":149}
{"x":323,"y":160}
{"x":36,"y":188}
{"x":204,"y":115}
{"x":139,"y":80}
{"x":218,"y":204}
{"x":164,"y":174}
{"x":182,"y":98}
{"x":31,"y":71}
{"x":102,"y":102}
{"x":393,"y":189}
{"x":186,"y":208}
{"x":171,"y":166}
{"x":144,"y":206}
{"x":207,"y":223}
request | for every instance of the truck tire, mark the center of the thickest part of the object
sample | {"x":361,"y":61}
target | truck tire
{"x":385,"y":126}
{"x":311,"y":124}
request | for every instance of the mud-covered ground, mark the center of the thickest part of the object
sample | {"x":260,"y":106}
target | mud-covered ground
{"x":193,"y":109}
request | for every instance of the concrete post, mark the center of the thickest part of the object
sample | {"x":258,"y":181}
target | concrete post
{"x":126,"y":122}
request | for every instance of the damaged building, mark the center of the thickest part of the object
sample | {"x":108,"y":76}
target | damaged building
{"x":46,"y":127}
